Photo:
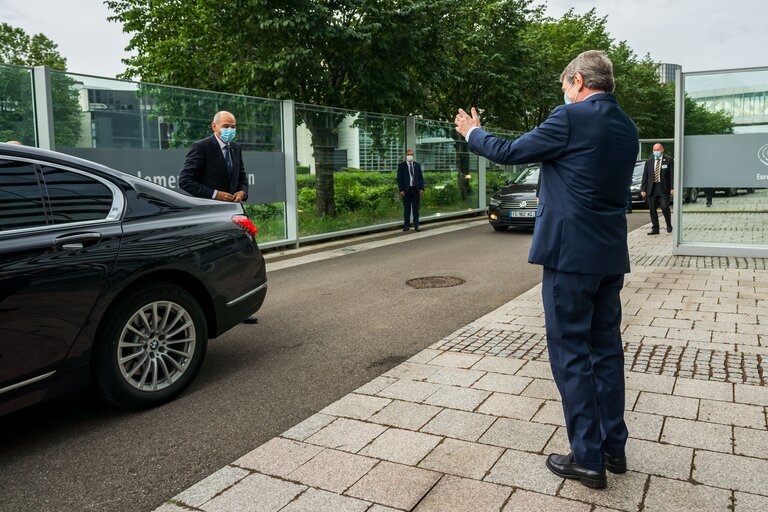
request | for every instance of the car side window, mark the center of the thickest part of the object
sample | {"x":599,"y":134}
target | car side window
{"x":75,"y":197}
{"x":21,"y":198}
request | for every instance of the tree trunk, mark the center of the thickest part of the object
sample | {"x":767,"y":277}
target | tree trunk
{"x":323,"y":144}
{"x":462,"y":164}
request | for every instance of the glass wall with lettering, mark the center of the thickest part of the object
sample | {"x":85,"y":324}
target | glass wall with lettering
{"x":146,"y":130}
{"x":725,"y":158}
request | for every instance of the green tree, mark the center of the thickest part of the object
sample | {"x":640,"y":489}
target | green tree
{"x":354,"y":54}
{"x":16,"y":115}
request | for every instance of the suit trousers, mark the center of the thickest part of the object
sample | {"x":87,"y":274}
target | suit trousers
{"x":583,"y":325}
{"x":657,"y":199}
{"x":411,"y":201}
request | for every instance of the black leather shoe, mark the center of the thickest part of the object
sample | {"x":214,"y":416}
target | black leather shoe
{"x":564,"y":467}
{"x":406,"y":229}
{"x":669,"y":229}
{"x":416,"y":229}
{"x":653,"y":232}
{"x":616,"y":465}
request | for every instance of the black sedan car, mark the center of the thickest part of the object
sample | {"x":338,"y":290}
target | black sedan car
{"x":112,"y":282}
{"x":515,"y":204}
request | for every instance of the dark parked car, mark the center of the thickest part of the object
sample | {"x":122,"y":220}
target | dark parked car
{"x":515,"y":204}
{"x":111,"y":281}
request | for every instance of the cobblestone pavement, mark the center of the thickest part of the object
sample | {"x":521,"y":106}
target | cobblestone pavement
{"x":466,"y":424}
{"x":740,"y":219}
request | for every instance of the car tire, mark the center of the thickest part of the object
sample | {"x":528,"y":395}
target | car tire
{"x":149,"y":347}
{"x":693,"y":195}
{"x":730,"y":192}
{"x":499,"y":227}
{"x":750,"y":191}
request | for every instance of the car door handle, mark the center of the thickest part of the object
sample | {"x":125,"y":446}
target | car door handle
{"x":77,"y":240}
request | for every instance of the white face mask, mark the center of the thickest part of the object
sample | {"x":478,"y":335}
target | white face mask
{"x":409,"y":158}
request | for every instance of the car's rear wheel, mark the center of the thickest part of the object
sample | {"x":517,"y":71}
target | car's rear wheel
{"x":730,"y":192}
{"x":150,"y":346}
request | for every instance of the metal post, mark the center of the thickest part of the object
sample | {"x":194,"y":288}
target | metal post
{"x":679,"y":157}
{"x":291,"y":189}
{"x":481,"y":166}
{"x":41,"y":79}
{"x":410,"y":133}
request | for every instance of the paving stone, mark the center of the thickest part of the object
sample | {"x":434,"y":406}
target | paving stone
{"x":751,"y":442}
{"x":541,"y":388}
{"x":731,"y":472}
{"x":455,"y":377}
{"x":659,"y":459}
{"x":412,"y":371}
{"x":643,"y":426}
{"x":755,"y":395}
{"x":471,"y":460}
{"x":458,"y":398}
{"x":454,"y":494}
{"x":425,"y":356}
{"x":394,"y":485}
{"x":170,"y":507}
{"x":403,"y":446}
{"x":278,"y":456}
{"x":511,"y":384}
{"x":696,"y":388}
{"x":405,"y":415}
{"x":375,"y":385}
{"x":500,"y":364}
{"x":315,"y":500}
{"x":255,"y":493}
{"x":468,"y":426}
{"x":666,"y":495}
{"x":526,"y":501}
{"x":209,"y":487}
{"x":333,"y":470}
{"x":536,"y":369}
{"x":525,"y":471}
{"x":630,"y":399}
{"x":382,"y":508}
{"x":697,"y":434}
{"x":409,"y":390}
{"x":732,"y":414}
{"x":750,"y":502}
{"x":308,"y":427}
{"x":519,"y":435}
{"x":646,"y":382}
{"x":359,"y":407}
{"x":511,"y":406}
{"x":624,"y":492}
{"x":347,"y":435}
{"x":559,"y":443}
{"x":551,"y":413}
{"x":456,"y":360}
{"x":666,"y":405}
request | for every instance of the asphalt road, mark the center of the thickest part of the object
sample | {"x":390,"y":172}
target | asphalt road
{"x":326,"y":328}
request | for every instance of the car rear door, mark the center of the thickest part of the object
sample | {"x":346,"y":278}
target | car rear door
{"x":60,"y":235}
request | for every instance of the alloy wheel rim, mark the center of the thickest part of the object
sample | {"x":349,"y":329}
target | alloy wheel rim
{"x":156,"y":346}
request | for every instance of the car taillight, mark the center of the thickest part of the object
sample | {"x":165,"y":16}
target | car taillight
{"x":245,"y":223}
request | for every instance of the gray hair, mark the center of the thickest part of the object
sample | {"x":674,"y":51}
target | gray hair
{"x":217,"y":116}
{"x":595,"y":67}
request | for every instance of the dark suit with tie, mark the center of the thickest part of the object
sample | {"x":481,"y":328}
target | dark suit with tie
{"x":206,"y":169}
{"x":587,"y":150}
{"x":658,"y":193}
{"x":410,"y":181}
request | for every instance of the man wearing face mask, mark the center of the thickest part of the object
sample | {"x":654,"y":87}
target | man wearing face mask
{"x":587,"y":150}
{"x":658,"y":180}
{"x":214,"y":166}
{"x":410,"y":181}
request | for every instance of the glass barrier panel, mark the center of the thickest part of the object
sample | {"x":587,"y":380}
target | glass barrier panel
{"x":726,"y":158}
{"x":347,"y":168}
{"x":17,"y":105}
{"x":146,"y":130}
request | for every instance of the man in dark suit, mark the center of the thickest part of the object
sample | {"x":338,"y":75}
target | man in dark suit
{"x":214,"y":166}
{"x":587,"y":149}
{"x":410,"y":181}
{"x":657,"y":186}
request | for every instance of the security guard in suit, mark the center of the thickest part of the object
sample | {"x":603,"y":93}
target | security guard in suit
{"x":658,"y":187}
{"x":587,"y":148}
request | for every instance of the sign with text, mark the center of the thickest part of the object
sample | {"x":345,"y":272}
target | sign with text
{"x":726,"y":161}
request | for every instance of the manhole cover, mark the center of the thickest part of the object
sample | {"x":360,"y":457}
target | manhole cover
{"x":434,"y":282}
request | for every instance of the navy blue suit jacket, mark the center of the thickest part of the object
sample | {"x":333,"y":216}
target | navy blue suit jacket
{"x":205,"y":170}
{"x":588,"y":152}
{"x":404,"y":177}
